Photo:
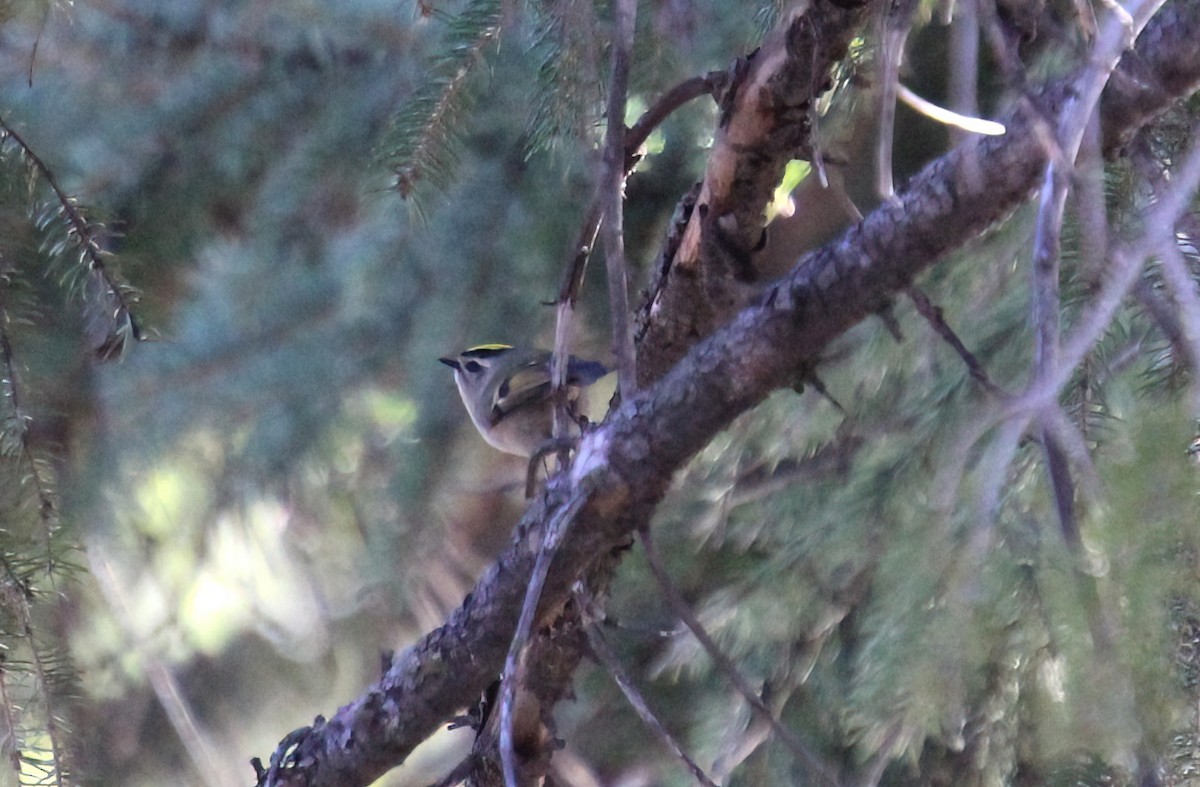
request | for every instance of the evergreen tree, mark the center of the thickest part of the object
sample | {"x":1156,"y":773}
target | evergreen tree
{"x":897,"y":485}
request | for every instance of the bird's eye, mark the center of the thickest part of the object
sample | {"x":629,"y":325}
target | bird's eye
{"x":472,"y":367}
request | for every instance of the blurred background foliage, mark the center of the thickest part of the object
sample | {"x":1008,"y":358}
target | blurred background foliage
{"x":279,"y":485}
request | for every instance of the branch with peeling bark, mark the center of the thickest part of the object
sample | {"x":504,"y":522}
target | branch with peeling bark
{"x":706,"y":274}
{"x":624,"y":467}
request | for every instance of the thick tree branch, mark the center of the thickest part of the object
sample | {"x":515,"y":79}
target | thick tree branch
{"x":706,"y":274}
{"x":624,"y":466}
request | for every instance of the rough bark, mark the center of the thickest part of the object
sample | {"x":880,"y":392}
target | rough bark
{"x":707,"y":273}
{"x":624,"y":466}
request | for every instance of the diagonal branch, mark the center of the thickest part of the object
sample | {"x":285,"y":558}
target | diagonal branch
{"x":613,"y":186}
{"x":609,"y":660}
{"x":514,"y":662}
{"x":822,"y":772}
{"x":933,"y":315}
{"x":624,"y":466}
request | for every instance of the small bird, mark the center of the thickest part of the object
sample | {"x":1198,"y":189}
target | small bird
{"x":506,"y":391}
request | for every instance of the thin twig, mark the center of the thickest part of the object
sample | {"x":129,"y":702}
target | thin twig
{"x":874,"y":767}
{"x":1122,"y":272}
{"x":210,"y":768}
{"x":572,"y":281}
{"x":933,"y":315}
{"x":1178,"y":278}
{"x":954,"y":120}
{"x":37,"y":39}
{"x":1062,"y":485}
{"x":606,"y":656}
{"x":825,"y":772}
{"x":1045,"y":269}
{"x":625,"y":17}
{"x":635,"y":137}
{"x":1071,"y":438}
{"x":673,"y":99}
{"x":514,"y":662}
{"x":1183,"y":290}
{"x":1039,"y":399}
{"x":568,"y":296}
{"x":1118,"y":33}
{"x":896,"y":26}
{"x":962,"y":88}
{"x":1045,"y":307}
{"x":1051,"y":361}
{"x":1003,"y":50}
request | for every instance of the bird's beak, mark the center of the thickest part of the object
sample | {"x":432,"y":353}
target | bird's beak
{"x":451,"y":362}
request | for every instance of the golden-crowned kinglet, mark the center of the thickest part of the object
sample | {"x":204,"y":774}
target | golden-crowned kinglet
{"x":506,"y":390}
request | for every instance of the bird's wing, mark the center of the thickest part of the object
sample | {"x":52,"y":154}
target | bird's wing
{"x":529,"y":383}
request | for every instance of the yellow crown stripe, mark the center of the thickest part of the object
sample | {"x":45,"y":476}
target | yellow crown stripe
{"x":487,"y":349}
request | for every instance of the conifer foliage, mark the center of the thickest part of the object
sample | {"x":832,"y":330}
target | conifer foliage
{"x":898,"y":486}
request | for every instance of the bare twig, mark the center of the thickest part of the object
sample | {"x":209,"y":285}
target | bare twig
{"x":1071,"y":439}
{"x":1003,"y":50}
{"x":210,"y":769}
{"x":609,"y":660}
{"x":896,"y":26}
{"x":1126,"y":263}
{"x":957,"y":121}
{"x":1045,"y":270}
{"x":962,"y":79}
{"x":673,"y":99}
{"x":1116,"y":35}
{"x":824,"y":771}
{"x":514,"y":663}
{"x":745,"y":737}
{"x":1183,"y":290}
{"x":635,"y":137}
{"x":1045,"y":307}
{"x":1175,"y":272}
{"x":1062,"y":486}
{"x":1121,"y":272}
{"x":625,"y":16}
{"x":933,"y":315}
{"x":568,"y":293}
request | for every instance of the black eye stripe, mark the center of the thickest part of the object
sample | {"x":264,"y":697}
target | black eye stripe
{"x":472,"y":367}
